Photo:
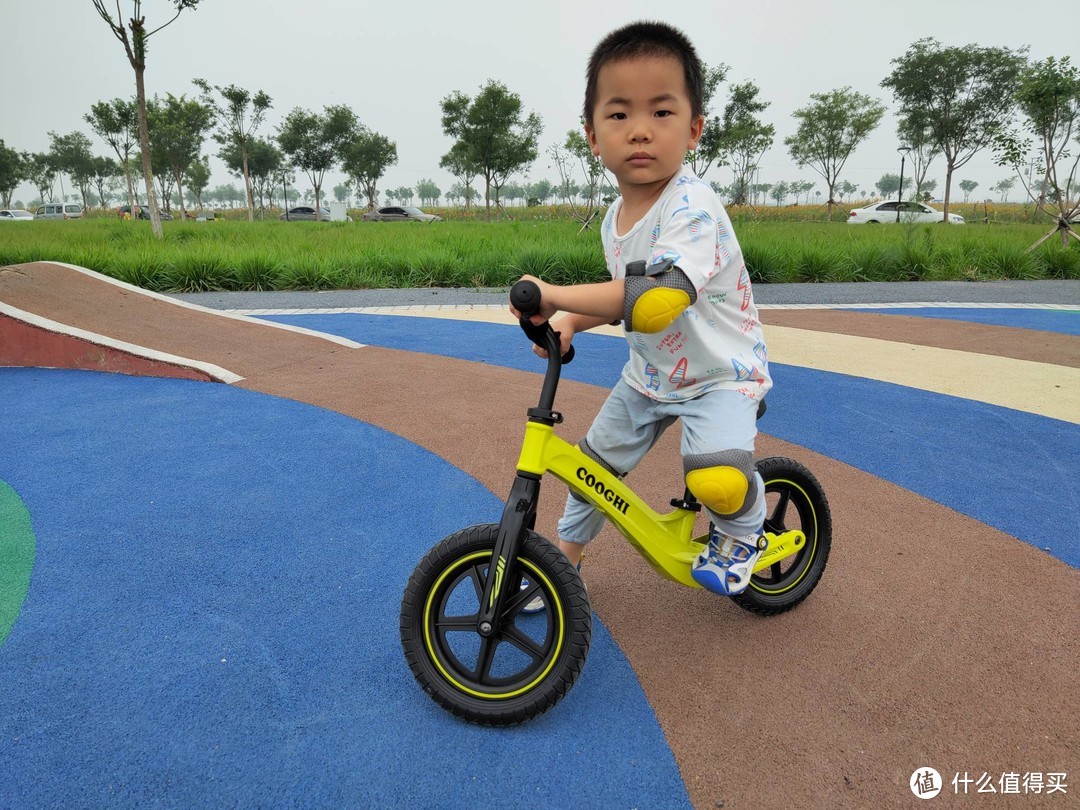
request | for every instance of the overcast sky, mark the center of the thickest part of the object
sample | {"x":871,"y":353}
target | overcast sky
{"x":393,"y":62}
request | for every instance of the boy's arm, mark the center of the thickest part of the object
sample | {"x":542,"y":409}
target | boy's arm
{"x":590,"y":305}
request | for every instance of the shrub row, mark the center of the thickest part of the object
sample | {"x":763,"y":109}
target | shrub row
{"x":220,"y":255}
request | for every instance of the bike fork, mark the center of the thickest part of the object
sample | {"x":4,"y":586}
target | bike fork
{"x":519,"y":515}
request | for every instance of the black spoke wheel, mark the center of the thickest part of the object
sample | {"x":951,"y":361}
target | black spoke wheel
{"x":794,"y":500}
{"x":531,"y":660}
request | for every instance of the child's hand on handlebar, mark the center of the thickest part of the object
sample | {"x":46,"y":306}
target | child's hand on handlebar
{"x":546,"y":309}
{"x":564,"y":328}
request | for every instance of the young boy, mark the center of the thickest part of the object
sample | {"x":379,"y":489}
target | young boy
{"x":681,"y":289}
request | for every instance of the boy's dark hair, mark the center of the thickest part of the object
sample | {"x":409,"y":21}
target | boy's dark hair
{"x":645,"y":39}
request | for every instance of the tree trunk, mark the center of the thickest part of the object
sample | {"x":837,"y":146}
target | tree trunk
{"x":948,"y":190}
{"x":247,"y":182}
{"x":144,"y":145}
{"x":130,"y":182}
{"x":180,"y":193}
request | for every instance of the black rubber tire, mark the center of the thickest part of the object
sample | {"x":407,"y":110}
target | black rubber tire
{"x":455,"y":570}
{"x":794,"y":500}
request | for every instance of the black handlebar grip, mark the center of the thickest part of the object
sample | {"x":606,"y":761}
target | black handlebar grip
{"x":525,"y":296}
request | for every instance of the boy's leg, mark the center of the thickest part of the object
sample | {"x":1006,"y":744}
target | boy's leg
{"x":624,"y":430}
{"x":573,"y":551}
{"x":621,"y":434}
{"x":719,"y":429}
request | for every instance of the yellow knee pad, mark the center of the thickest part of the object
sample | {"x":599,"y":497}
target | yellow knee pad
{"x":723,"y":482}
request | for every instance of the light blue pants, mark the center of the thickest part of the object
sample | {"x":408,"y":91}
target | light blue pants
{"x":630,"y":423}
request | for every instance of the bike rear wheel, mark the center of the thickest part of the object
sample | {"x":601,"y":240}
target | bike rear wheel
{"x":794,"y":501}
{"x":529,"y":663}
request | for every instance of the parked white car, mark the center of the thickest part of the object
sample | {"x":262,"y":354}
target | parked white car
{"x":15,"y":215}
{"x":885,"y":212}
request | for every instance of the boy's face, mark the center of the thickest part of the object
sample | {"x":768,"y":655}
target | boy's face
{"x":642,"y":124}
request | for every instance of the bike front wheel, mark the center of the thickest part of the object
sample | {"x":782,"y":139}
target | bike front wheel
{"x":794,"y":501}
{"x":531,"y":660}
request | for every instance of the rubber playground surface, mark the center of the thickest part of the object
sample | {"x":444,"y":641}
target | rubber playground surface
{"x":202,"y":559}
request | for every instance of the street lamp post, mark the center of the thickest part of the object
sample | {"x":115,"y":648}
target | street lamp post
{"x":903,"y":150}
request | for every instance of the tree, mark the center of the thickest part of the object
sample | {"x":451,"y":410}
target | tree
{"x":829,"y":130}
{"x":889,"y":185}
{"x":365,"y":157}
{"x":1049,"y":99}
{"x":846,"y":189}
{"x":105,"y":170}
{"x":117,"y":123}
{"x":576,"y":149}
{"x":458,"y":162}
{"x":459,"y":191}
{"x":779,"y":192}
{"x":199,"y":178}
{"x":1003,"y":187}
{"x":72,"y":156}
{"x":264,"y":165}
{"x":963,"y":96}
{"x":12,"y":172}
{"x":40,"y":169}
{"x":541,"y":191}
{"x":238,"y":114}
{"x":428,"y":192}
{"x":711,"y":146}
{"x":178,"y":128}
{"x":915,"y":133}
{"x":968,"y":186}
{"x":135,"y":48}
{"x":314,"y":142}
{"x":724,"y":192}
{"x":745,"y":136}
{"x":403,"y":194}
{"x":491,"y":136}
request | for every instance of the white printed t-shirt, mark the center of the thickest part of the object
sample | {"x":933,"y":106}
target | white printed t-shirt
{"x":717,"y":343}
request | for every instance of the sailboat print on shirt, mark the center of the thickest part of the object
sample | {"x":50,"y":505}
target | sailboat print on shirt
{"x":744,"y":373}
{"x":653,"y":373}
{"x":678,"y":376}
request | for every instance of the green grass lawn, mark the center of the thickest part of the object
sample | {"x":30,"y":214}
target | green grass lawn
{"x":273,"y":255}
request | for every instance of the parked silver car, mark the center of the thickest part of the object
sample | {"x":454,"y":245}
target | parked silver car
{"x":400,"y":213}
{"x":306,"y":213}
{"x":59,"y":211}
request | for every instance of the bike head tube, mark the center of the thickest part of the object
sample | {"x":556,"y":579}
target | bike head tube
{"x":525,"y":296}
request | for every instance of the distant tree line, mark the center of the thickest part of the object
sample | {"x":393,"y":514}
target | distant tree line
{"x":953,"y":102}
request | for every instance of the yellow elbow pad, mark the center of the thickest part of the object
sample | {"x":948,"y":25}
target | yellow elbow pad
{"x":653,"y":300}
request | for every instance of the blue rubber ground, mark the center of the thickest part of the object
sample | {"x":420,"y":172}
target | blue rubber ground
{"x":1010,"y":469}
{"x":212,"y":617}
{"x":1067,"y":322}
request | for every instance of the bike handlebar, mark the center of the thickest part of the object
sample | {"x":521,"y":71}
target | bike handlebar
{"x":525,"y":296}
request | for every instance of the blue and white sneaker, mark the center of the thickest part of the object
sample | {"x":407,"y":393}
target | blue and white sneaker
{"x":726,"y":563}
{"x":537,"y":603}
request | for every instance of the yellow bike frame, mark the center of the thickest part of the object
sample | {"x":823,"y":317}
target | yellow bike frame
{"x":665,"y":541}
